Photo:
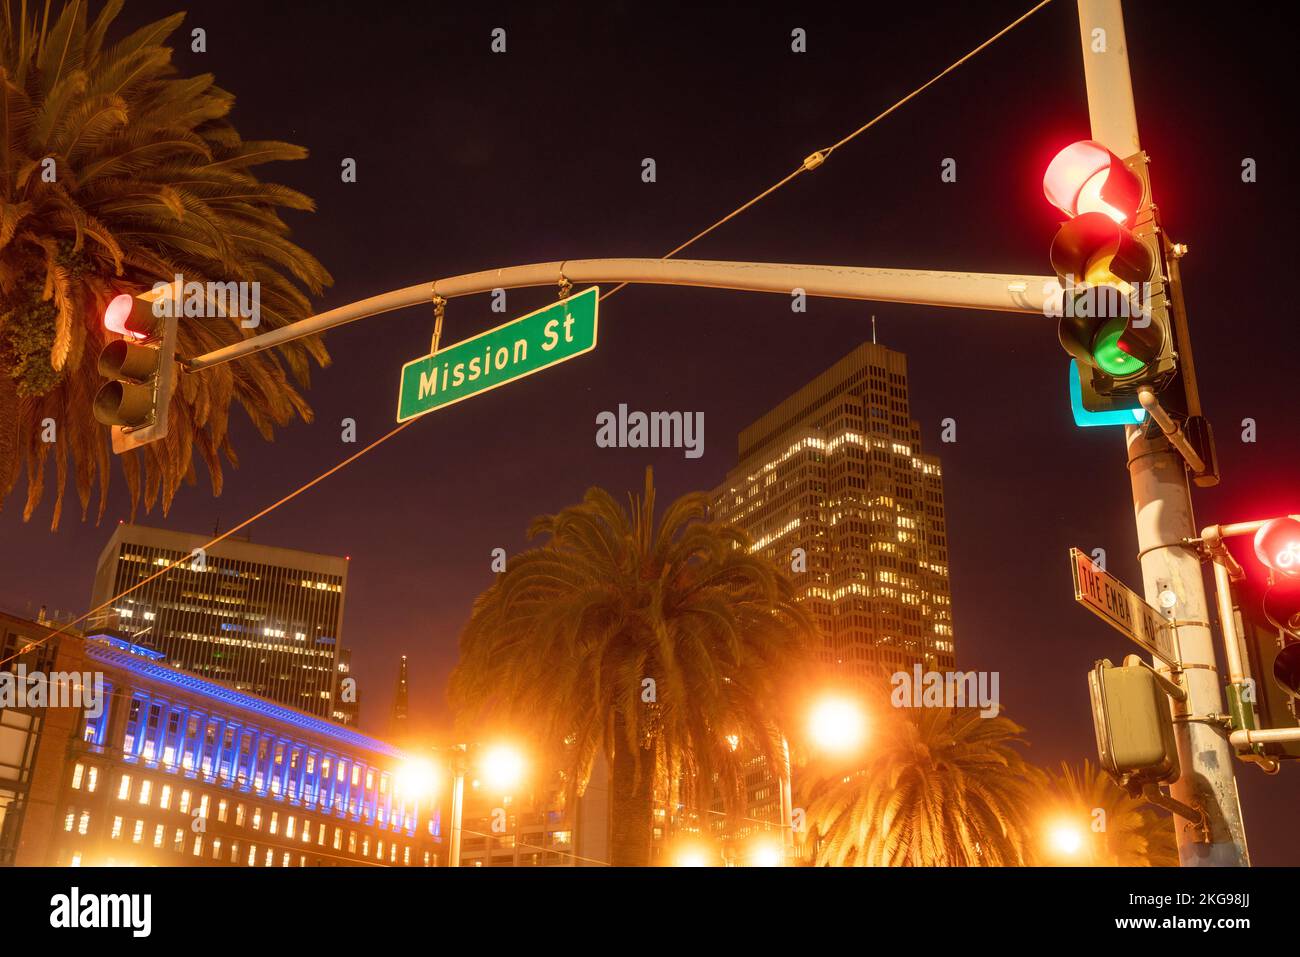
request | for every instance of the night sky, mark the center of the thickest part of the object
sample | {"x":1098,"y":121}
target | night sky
{"x":469,"y":160}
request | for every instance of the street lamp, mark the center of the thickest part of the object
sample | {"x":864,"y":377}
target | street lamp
{"x":837,"y":726}
{"x":1066,"y":838}
{"x":417,"y":778}
{"x":766,"y":853}
{"x":502,"y":766}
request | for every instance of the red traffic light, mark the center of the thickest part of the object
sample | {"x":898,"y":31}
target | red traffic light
{"x":129,"y":315}
{"x":1277,"y":545}
{"x":1085,"y":177}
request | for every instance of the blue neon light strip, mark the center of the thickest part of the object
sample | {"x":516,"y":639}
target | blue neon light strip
{"x":105,"y":654}
{"x":123,"y":645}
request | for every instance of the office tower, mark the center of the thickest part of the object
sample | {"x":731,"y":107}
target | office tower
{"x":833,"y":485}
{"x":259,"y":618}
{"x":401,"y":703}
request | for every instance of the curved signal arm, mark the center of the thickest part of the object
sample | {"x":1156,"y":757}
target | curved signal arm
{"x":962,"y":290}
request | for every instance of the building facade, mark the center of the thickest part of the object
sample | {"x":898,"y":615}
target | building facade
{"x":179,"y":770}
{"x":26,"y":794}
{"x":833,"y":484}
{"x":259,"y":618}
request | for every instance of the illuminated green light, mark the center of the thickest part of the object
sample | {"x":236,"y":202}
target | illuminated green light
{"x":1110,"y":358}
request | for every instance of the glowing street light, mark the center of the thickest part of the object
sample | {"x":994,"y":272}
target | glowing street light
{"x":1066,"y":838}
{"x":693,"y":855}
{"x":417,"y":778}
{"x":837,"y":725}
{"x":766,"y":853}
{"x":502,"y":767}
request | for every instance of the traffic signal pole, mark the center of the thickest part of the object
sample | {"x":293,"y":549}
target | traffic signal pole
{"x":1166,"y":531}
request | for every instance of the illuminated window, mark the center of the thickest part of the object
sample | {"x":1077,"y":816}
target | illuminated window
{"x":92,"y":779}
{"x":70,"y":820}
{"x":146,"y":786}
{"x":252,"y":855}
{"x":239,"y":815}
{"x":352,"y":842}
{"x":338,"y":835}
{"x":77,"y":771}
{"x":216,"y":848}
{"x":138,"y":834}
{"x":198,"y":845}
{"x":288,"y":827}
{"x":76,"y":859}
{"x":257,"y":819}
{"x":178,"y":840}
{"x":321,"y":837}
{"x":117,"y":828}
{"x":165,"y":797}
{"x":83,"y":824}
{"x":185,"y":802}
{"x":222,"y":807}
{"x":275,"y":822}
{"x":159,"y":833}
{"x":124,"y":787}
{"x":270,"y":857}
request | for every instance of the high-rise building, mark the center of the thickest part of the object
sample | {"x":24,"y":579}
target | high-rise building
{"x":259,"y":618}
{"x":401,"y":703}
{"x":832,"y":484}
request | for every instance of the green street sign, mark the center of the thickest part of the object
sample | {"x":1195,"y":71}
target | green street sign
{"x":519,"y":348}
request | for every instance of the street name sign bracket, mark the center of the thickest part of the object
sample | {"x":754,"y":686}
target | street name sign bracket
{"x":1123,"y":609}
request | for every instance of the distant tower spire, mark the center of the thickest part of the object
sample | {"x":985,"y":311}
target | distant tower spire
{"x":400,"y":701}
{"x":873,"y":330}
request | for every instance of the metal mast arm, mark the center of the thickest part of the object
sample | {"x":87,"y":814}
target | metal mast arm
{"x":986,"y":291}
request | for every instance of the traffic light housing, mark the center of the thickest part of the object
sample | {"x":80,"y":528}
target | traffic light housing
{"x":1115,"y":314}
{"x":1134,"y":726}
{"x":1277,"y":546}
{"x":140,"y":363}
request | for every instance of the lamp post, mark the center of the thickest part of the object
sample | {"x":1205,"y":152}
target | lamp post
{"x":836,"y":726}
{"x":503,"y":766}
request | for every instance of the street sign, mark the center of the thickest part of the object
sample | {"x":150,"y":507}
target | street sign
{"x":518,"y":348}
{"x":1120,"y":607}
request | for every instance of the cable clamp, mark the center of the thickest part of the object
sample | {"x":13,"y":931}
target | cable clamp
{"x":439,"y":313}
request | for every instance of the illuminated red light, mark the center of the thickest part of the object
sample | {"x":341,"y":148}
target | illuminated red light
{"x":1277,"y":545}
{"x":1085,"y":177}
{"x":117,"y":313}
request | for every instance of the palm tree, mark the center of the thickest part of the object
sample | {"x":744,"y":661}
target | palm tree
{"x":650,"y":642}
{"x":1127,"y":832}
{"x":941,"y":787}
{"x":116,"y":173}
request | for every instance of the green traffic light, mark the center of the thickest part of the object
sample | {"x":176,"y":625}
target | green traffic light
{"x":1110,"y":358}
